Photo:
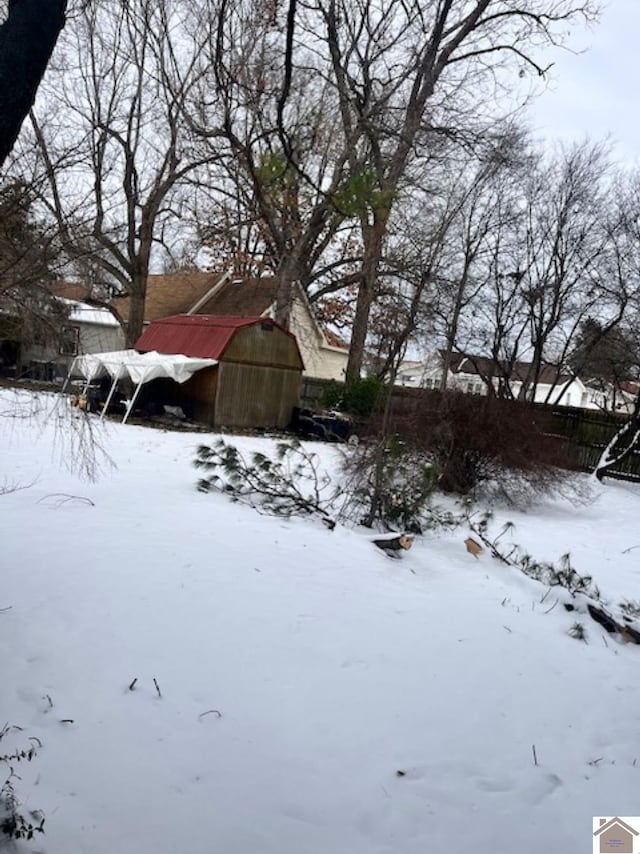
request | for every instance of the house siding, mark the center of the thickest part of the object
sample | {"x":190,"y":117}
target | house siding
{"x":320,"y":360}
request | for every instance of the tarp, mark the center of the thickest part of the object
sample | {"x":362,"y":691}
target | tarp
{"x":140,"y":367}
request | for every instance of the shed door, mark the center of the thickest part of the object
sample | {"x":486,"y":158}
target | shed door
{"x":255,"y":396}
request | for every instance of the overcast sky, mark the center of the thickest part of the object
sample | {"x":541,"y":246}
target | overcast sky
{"x":595,"y":93}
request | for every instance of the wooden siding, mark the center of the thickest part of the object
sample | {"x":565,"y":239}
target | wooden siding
{"x":201,"y":389}
{"x":255,"y":345}
{"x":251,"y":396}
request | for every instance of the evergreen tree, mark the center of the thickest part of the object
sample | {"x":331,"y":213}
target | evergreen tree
{"x":607,"y":353}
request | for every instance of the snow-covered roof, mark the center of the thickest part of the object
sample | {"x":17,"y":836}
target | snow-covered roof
{"x":82,"y":312}
{"x":141,"y":367}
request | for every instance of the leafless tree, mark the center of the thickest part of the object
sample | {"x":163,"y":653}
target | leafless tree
{"x":278,"y":209}
{"x":391,"y":62}
{"x":553,"y":264}
{"x":112,"y":142}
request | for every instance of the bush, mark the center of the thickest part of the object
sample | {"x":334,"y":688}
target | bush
{"x":362,"y":396}
{"x":390,"y":485}
{"x":473,"y":439}
{"x":357,"y":398}
{"x":332,"y":395}
{"x":13,"y":824}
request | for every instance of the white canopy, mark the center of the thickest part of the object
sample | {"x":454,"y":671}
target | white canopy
{"x":140,"y":367}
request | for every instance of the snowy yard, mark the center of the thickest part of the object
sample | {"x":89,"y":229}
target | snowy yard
{"x":315,"y":696}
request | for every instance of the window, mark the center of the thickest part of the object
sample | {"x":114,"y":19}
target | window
{"x":70,"y":340}
{"x":429,"y":382}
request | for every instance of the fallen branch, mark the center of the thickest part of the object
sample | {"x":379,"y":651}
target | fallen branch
{"x":563,"y":576}
{"x":64,"y":497}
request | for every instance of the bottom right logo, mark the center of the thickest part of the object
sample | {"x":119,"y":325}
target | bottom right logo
{"x":616,"y":835}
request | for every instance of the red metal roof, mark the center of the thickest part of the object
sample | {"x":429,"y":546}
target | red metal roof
{"x":203,"y":335}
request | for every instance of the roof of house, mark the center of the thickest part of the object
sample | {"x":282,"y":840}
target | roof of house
{"x":249,"y":297}
{"x":203,"y":336}
{"x":629,"y":386}
{"x":179,"y":293}
{"x":82,"y":312}
{"x":334,"y":340}
{"x":484,"y":366}
{"x":71,"y":291}
{"x":169,"y":294}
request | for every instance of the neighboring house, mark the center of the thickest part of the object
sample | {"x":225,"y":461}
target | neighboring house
{"x":88,"y":330}
{"x":195,"y":293}
{"x":83,"y":329}
{"x":473,"y":374}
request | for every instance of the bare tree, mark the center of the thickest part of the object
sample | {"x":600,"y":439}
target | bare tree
{"x":282,"y":207}
{"x":113,"y":145}
{"x":553,"y":265}
{"x":390,"y":62}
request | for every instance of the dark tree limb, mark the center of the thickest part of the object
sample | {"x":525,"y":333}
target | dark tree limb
{"x":27,"y":39}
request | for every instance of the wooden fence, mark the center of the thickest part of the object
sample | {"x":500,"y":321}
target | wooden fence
{"x":312,"y":392}
{"x":587,"y":433}
{"x":584,"y":433}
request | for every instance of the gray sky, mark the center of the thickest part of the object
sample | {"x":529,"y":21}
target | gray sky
{"x":595,"y":93}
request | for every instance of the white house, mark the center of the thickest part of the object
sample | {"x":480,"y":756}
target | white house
{"x":81,"y":328}
{"x":473,"y":375}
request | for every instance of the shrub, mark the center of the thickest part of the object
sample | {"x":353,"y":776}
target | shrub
{"x":332,"y":395}
{"x":473,"y":439}
{"x":359,"y":397}
{"x":390,"y":485}
{"x":13,"y":824}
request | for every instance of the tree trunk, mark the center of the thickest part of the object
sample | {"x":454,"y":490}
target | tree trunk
{"x":373,"y":239}
{"x":135,"y":322}
{"x":287,"y":276}
{"x":27,"y":39}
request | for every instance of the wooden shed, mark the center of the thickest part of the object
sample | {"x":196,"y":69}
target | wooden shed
{"x":256,"y":382}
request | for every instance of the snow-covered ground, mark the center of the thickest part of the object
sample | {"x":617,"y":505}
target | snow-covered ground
{"x":362,"y":705}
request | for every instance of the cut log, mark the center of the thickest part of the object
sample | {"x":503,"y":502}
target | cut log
{"x":473,"y":547}
{"x":395,"y":546}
